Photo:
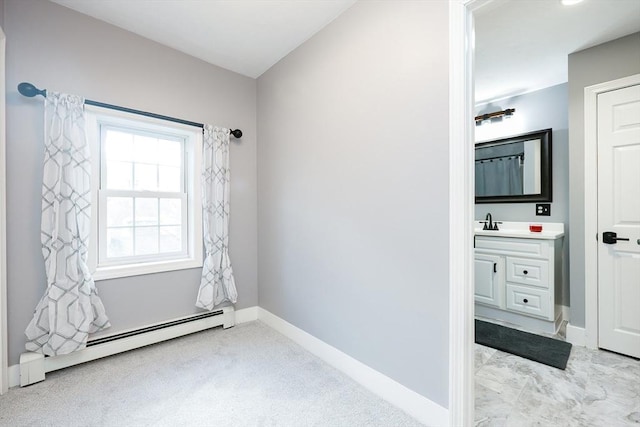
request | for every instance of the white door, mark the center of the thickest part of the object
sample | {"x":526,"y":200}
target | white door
{"x":619,"y":213}
{"x":488,"y":270}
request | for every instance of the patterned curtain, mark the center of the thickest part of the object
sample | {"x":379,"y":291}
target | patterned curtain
{"x":70,"y":309}
{"x":217,"y":284}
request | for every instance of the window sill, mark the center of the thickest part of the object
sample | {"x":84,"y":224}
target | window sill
{"x":114,"y":272}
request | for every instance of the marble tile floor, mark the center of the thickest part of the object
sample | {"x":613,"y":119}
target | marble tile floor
{"x":598,"y":388}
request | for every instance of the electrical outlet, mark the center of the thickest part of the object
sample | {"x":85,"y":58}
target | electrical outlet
{"x":543,"y":209}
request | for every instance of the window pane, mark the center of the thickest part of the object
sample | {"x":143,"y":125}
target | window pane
{"x":146,"y":240}
{"x":146,"y":177}
{"x":119,"y":242}
{"x":169,"y":152}
{"x":118,"y":146}
{"x":146,"y":211}
{"x":170,"y":239}
{"x":145,"y":149}
{"x":170,"y":178}
{"x":119,"y":211}
{"x":119,"y":175}
{"x":170,"y":211}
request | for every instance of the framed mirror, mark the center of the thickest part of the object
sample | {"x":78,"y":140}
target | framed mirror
{"x":516,"y":169}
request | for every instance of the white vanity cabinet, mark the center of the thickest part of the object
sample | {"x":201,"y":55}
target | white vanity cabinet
{"x":519,"y":279}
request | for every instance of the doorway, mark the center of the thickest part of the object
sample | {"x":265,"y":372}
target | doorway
{"x":583,"y":230}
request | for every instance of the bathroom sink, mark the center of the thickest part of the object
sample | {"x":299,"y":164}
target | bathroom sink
{"x":550,"y":230}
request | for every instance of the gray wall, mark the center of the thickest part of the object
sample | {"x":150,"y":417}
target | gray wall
{"x":59,"y":49}
{"x":599,"y":64}
{"x":542,"y":109}
{"x":352,"y":189}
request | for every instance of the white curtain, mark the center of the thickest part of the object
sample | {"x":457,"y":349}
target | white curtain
{"x":70,"y":309}
{"x":217,"y":284}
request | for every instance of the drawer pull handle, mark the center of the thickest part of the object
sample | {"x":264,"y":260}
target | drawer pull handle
{"x":525,"y":300}
{"x":495,"y":267}
{"x":525,"y":272}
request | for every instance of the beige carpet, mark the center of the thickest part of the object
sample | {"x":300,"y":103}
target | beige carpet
{"x":248,"y":375}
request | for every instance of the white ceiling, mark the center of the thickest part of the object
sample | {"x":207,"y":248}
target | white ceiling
{"x":245,"y":36}
{"x":521,"y":45}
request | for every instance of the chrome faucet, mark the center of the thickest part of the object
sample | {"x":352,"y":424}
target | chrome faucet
{"x":489,"y":224}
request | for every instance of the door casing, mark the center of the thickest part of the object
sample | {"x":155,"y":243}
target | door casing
{"x":461,"y":210}
{"x":4,"y":380}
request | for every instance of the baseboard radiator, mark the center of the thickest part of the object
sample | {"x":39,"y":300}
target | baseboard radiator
{"x":33,"y":366}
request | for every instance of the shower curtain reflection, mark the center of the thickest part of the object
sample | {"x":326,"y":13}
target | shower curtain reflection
{"x":499,"y":176}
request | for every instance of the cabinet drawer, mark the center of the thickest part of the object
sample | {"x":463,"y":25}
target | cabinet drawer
{"x":531,"y":301}
{"x":531,"y":272}
{"x":513,"y":246}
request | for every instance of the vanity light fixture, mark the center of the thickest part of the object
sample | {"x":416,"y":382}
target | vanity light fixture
{"x":570,"y":2}
{"x":487,"y":118}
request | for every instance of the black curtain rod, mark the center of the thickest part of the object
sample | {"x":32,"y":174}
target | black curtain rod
{"x":29,"y":90}
{"x":507,"y":156}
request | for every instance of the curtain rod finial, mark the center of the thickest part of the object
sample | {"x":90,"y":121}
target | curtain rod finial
{"x":29,"y":90}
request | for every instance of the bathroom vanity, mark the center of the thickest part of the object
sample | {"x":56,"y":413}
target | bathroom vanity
{"x":518,"y":275}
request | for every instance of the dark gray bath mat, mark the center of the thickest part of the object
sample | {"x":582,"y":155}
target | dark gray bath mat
{"x":530,"y":346}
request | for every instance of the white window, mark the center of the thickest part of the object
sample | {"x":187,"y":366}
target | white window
{"x":146,"y":201}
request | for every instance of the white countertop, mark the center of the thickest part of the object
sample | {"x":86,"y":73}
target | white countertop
{"x":550,"y":230}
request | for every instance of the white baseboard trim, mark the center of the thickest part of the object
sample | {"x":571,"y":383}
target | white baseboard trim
{"x":576,"y":335}
{"x":248,"y":314}
{"x":14,"y":375}
{"x":416,"y":405}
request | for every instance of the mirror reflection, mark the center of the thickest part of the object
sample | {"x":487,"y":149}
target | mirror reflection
{"x":514,"y":169}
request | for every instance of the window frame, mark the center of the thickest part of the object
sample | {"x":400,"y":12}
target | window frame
{"x":191,"y":255}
